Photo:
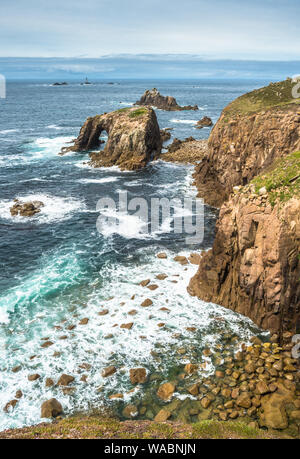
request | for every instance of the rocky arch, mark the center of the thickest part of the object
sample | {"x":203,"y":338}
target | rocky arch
{"x":133,"y":138}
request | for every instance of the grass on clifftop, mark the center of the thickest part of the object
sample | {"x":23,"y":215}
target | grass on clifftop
{"x":276,"y":94}
{"x":282,"y":180}
{"x":95,"y":427}
{"x":138,"y":112}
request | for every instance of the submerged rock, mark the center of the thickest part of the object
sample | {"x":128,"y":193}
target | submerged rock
{"x":168,"y":103}
{"x":134,"y":138}
{"x":166,"y":391}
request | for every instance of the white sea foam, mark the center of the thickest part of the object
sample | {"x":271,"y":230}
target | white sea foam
{"x":183,"y":121}
{"x":126,"y":349}
{"x":56,"y":208}
{"x":8,"y":131}
{"x":54,"y":126}
{"x":101,"y":180}
{"x":40,"y":149}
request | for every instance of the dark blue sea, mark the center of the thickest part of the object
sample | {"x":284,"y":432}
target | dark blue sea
{"x":57,"y":269}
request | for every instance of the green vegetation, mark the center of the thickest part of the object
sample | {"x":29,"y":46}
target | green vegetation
{"x":138,"y":112}
{"x":274,"y":95}
{"x":123,"y":110}
{"x":282,"y":180}
{"x":97,"y":427}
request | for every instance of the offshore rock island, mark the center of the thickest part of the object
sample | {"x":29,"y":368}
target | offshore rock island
{"x":168,"y":103}
{"x":134,"y":138}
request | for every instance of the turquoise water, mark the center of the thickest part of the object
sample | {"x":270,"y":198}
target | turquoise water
{"x":57,"y":269}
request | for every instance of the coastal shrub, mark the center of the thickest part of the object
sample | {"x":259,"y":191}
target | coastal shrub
{"x":282,"y":180}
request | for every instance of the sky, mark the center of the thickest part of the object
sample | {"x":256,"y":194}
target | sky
{"x":182,"y":30}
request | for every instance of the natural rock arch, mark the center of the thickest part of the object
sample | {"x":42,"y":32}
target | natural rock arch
{"x":134,"y":138}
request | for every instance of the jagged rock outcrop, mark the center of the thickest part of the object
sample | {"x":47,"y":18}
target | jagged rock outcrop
{"x":177,"y":143}
{"x":254,"y":265}
{"x":26,"y":209}
{"x":204,"y":122}
{"x":134,"y":138}
{"x":251,"y":133}
{"x":165,"y":134}
{"x":189,"y":151}
{"x":168,"y":103}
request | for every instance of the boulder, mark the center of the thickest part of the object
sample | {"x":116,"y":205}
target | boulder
{"x":163,"y":416}
{"x":10,"y":406}
{"x":127,"y":326}
{"x":166,"y":391}
{"x":51,"y":409}
{"x":165,"y":135}
{"x":153,"y":98}
{"x":204,"y":122}
{"x":65,"y":380}
{"x":145,"y":282}
{"x":130,"y":411}
{"x":244,"y":401}
{"x":49,"y":382}
{"x":273,"y":414}
{"x":182,"y":260}
{"x":84,"y":321}
{"x":109,"y":371}
{"x":33,"y":377}
{"x":138,"y":375}
{"x":147,"y":303}
{"x":205,"y":402}
{"x":26,"y":209}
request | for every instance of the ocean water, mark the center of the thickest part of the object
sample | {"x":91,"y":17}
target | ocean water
{"x":57,"y":269}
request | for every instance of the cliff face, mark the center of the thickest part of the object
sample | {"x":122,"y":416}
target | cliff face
{"x":254,"y":265}
{"x":134,"y":138}
{"x":251,"y":133}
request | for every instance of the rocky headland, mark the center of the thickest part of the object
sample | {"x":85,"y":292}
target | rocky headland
{"x":153,"y":98}
{"x":253,"y":168}
{"x":134,"y":138}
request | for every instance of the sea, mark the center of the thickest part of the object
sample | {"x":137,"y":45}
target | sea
{"x":56,"y":268}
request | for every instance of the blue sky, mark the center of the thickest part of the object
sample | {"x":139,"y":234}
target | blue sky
{"x":248,"y":29}
{"x":105,"y":37}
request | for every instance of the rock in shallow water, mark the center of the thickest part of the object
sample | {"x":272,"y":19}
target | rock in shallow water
{"x":26,"y":209}
{"x":51,"y":409}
